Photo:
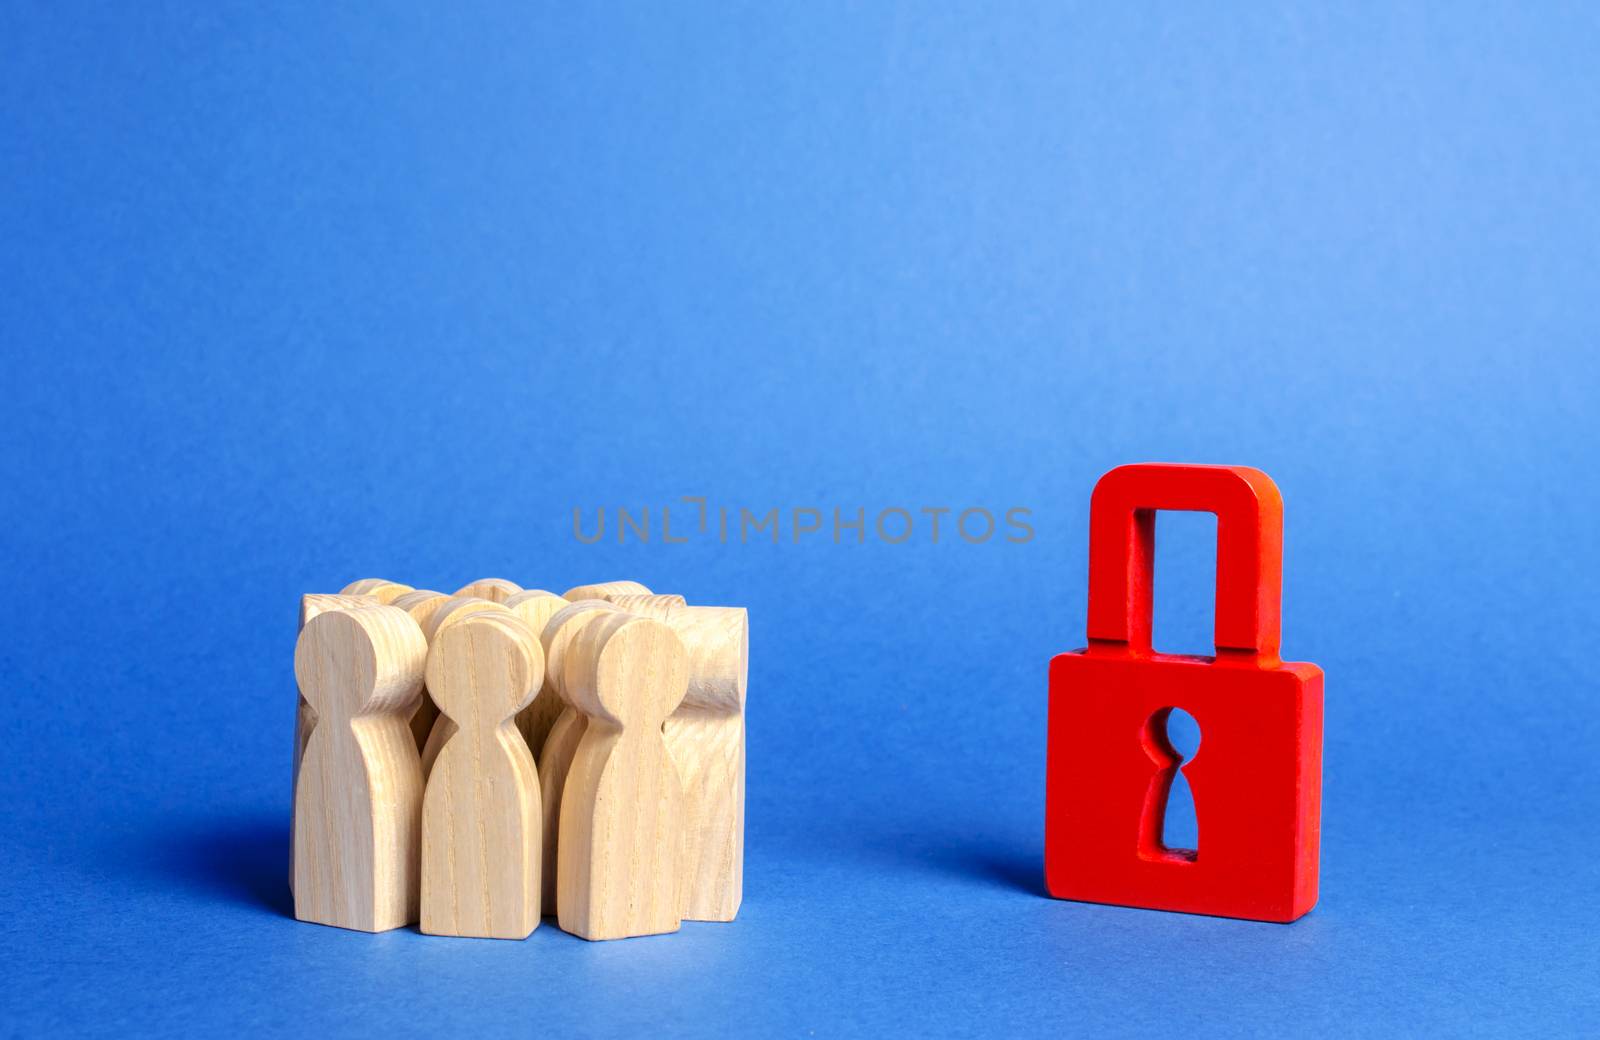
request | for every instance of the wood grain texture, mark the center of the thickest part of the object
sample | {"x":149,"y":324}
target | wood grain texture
{"x":448,"y":613}
{"x":314,"y":603}
{"x":537,"y":607}
{"x":420,"y":604}
{"x":454,"y":609}
{"x":621,"y":837}
{"x":305,"y":717}
{"x":605,"y":590}
{"x":380,"y":589}
{"x":496,"y":589}
{"x":480,"y":817}
{"x":651,"y":605}
{"x":706,"y":737}
{"x":555,"y":759}
{"x":358,"y":803}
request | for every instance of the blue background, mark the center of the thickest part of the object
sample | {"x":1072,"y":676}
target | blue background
{"x":297,"y":296}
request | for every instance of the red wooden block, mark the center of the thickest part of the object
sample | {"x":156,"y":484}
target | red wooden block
{"x":1257,"y":778}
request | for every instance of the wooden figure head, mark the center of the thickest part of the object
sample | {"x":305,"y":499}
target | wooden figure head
{"x":626,"y":671}
{"x":497,"y":589}
{"x":453,"y":610}
{"x":314,"y":603}
{"x":558,"y":634}
{"x":717,"y":640}
{"x":379,"y":589}
{"x":362,"y":661}
{"x":484,"y":668}
{"x":605,"y":590}
{"x":420,"y":604}
{"x":536,"y":607}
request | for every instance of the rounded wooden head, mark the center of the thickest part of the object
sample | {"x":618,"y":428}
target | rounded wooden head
{"x":420,"y":604}
{"x":314,"y":603}
{"x":383,"y":591}
{"x":453,"y":610}
{"x":605,"y":590}
{"x":627,"y":670}
{"x":497,"y":589}
{"x":717,"y":640}
{"x":559,"y":631}
{"x":362,"y":661}
{"x":486,"y":666}
{"x":536,"y":607}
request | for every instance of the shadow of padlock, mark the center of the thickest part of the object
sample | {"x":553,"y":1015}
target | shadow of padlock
{"x":1257,"y":780}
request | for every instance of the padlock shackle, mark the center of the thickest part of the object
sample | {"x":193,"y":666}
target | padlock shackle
{"x":1122,"y":528}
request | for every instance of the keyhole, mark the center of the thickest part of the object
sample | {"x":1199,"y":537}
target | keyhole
{"x":1180,"y":828}
{"x":1169,"y":828}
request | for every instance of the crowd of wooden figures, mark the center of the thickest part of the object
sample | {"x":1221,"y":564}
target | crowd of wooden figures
{"x":470,"y":762}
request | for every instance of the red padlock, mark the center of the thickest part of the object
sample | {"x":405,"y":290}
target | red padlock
{"x":1257,"y":778}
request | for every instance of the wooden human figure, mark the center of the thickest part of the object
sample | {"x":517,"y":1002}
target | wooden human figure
{"x":480,"y":815}
{"x":621,"y":835}
{"x":305,"y":718}
{"x":497,"y":590}
{"x":555,"y":759}
{"x":537,"y":607}
{"x":358,"y":802}
{"x":444,"y":615}
{"x":312,"y":604}
{"x":706,"y":738}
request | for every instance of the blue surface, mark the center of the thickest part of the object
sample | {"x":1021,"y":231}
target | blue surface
{"x":300,"y":296}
